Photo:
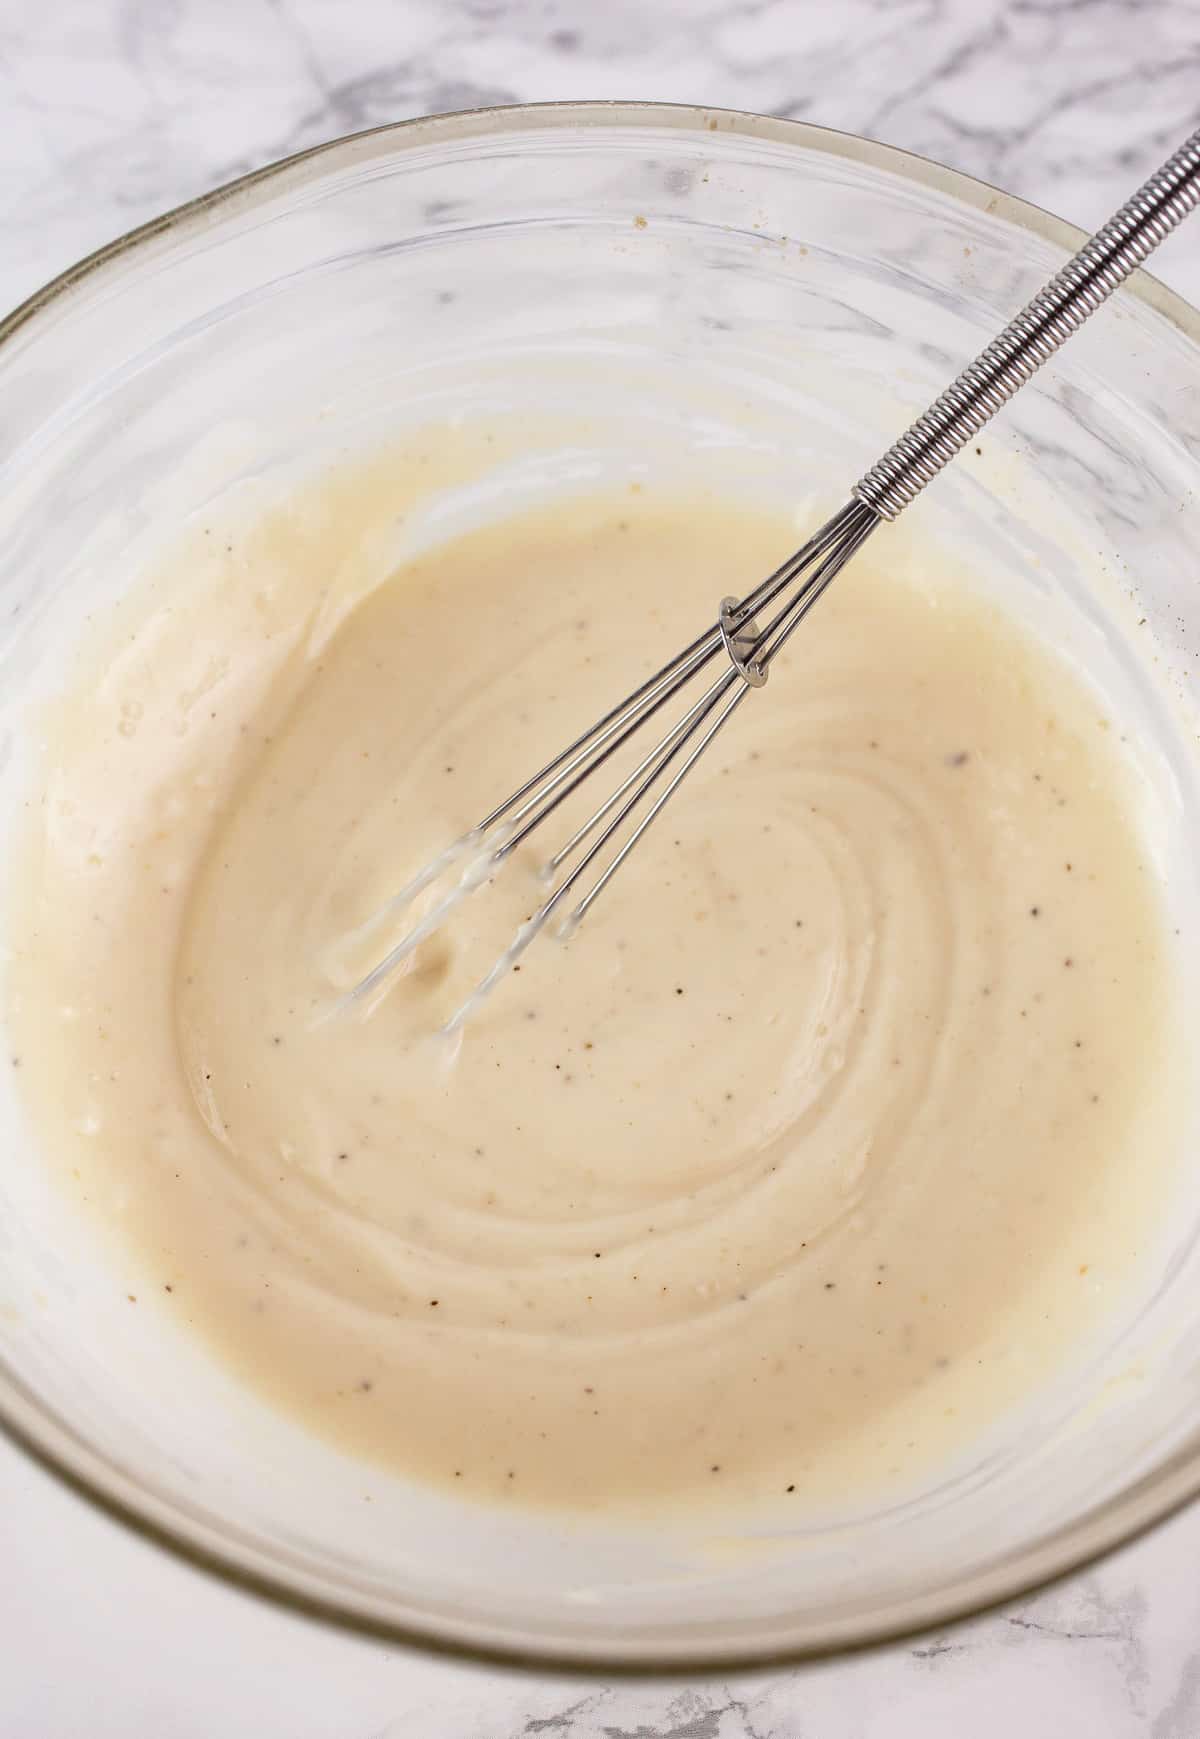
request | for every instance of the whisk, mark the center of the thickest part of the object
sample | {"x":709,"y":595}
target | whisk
{"x":751,"y":631}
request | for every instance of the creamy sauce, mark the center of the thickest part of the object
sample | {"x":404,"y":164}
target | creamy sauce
{"x":836,"y":1129}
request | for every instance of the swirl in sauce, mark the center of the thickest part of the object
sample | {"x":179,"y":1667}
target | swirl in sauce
{"x":805,"y":1158}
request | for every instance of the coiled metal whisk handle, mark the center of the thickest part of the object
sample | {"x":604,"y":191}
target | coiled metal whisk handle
{"x":743,"y":645}
{"x":1029,"y":340}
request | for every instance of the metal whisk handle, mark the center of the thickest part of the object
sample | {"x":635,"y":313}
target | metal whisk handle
{"x":1029,"y":340}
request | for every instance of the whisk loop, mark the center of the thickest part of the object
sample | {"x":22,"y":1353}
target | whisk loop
{"x":611,"y":831}
{"x":747,"y":649}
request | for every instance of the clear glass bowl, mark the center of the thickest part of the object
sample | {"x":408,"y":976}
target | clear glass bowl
{"x":526,"y":259}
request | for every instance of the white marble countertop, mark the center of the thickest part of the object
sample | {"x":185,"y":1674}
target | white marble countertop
{"x":116,"y":109}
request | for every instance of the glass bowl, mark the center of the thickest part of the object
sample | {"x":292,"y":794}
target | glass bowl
{"x":540,"y":260}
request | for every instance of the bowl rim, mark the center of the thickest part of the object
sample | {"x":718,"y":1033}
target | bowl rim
{"x":51,"y":1440}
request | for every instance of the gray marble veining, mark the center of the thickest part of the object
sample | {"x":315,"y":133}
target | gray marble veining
{"x":116,"y":109}
{"x":135,"y":105}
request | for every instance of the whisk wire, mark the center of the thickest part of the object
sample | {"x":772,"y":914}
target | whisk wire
{"x":657,"y":762}
{"x":749,"y":646}
{"x":602,"y":746}
{"x":641,"y":795}
{"x":722,"y":687}
{"x":581,"y":832}
{"x":831,"y":547}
